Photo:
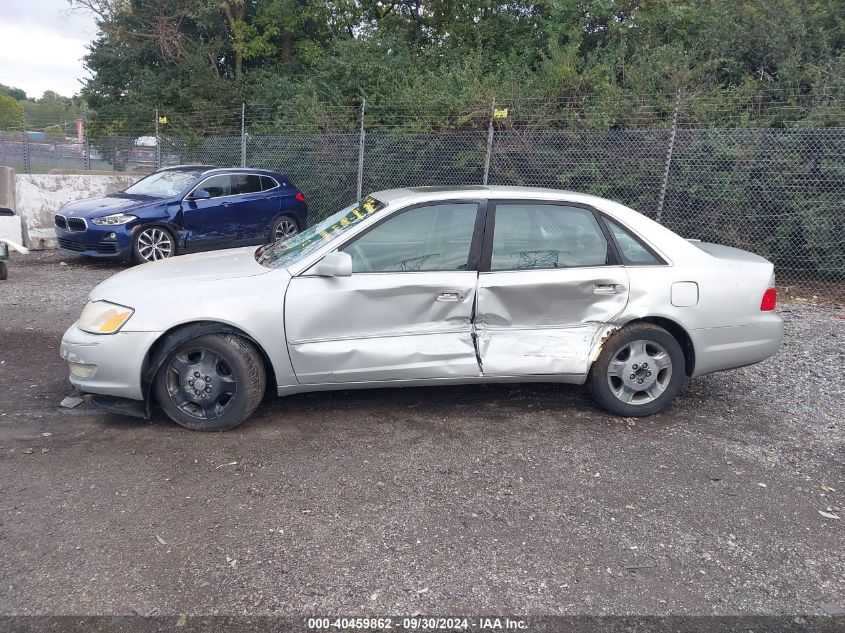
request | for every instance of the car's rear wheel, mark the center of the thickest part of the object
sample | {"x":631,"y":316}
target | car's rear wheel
{"x":283,"y":228}
{"x":152,"y":244}
{"x":211,"y":383}
{"x":639,"y":371}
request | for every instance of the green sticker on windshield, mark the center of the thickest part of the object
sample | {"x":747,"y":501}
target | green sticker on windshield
{"x":285,"y":252}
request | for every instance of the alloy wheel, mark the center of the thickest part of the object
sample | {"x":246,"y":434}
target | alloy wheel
{"x":155,"y":244}
{"x":639,"y":372}
{"x":286,"y":228}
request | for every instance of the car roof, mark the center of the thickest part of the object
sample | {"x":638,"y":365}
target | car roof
{"x":423,"y":194}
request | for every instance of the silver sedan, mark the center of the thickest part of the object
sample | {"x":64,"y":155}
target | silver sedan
{"x":429,"y":286}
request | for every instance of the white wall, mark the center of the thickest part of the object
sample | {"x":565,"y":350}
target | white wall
{"x":39,"y":196}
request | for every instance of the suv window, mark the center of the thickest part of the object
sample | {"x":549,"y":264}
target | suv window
{"x":248,"y":183}
{"x":530,"y":235}
{"x":435,"y":237}
{"x":268,"y":183}
{"x":633,"y":252}
{"x":218,"y":186}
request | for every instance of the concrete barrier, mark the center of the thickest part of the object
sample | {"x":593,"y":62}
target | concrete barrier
{"x":10,"y":226}
{"x":39,"y":196}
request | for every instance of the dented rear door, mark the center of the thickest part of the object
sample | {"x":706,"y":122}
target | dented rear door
{"x":549,"y":288}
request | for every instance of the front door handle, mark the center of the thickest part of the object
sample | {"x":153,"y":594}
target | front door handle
{"x":606,"y":289}
{"x":449,"y":296}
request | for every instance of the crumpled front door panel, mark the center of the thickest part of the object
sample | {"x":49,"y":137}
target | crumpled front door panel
{"x":381,"y":326}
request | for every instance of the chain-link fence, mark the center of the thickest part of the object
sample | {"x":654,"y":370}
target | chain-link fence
{"x":769,"y":178}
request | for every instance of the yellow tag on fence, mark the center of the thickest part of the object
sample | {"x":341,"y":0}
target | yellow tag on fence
{"x":162,"y":120}
{"x":500,"y":114}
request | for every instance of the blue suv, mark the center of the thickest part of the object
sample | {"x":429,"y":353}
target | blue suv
{"x":181,"y":210}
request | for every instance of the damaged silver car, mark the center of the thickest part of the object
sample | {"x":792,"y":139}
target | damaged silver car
{"x":429,"y":286}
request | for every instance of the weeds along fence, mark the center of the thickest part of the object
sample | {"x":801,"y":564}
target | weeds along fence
{"x":766,"y":176}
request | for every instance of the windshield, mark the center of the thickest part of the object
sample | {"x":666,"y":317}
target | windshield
{"x":286,"y":252}
{"x":164,"y":184}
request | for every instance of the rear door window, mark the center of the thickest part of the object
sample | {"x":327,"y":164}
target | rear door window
{"x":531,"y":235}
{"x":248,"y":183}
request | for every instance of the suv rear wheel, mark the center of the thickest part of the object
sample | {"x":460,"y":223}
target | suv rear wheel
{"x":283,"y":228}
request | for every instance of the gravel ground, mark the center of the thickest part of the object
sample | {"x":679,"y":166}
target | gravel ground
{"x":493,"y":499}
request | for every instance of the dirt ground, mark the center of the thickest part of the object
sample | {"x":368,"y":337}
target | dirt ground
{"x":496,"y":499}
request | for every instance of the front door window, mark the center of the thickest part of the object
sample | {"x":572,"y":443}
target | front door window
{"x":435,"y":237}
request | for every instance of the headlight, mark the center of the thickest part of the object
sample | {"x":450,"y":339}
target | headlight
{"x":115,"y":218}
{"x":102,"y":317}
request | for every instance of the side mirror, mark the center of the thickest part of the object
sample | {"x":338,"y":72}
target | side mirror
{"x":200,"y":194}
{"x":337,"y":264}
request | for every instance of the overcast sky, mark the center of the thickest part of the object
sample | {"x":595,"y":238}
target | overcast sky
{"x":42,"y":44}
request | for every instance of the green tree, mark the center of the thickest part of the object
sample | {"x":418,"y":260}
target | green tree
{"x":15,"y":93}
{"x":11,"y":113}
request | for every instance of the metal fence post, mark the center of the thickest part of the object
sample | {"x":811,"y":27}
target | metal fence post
{"x":669,"y":151}
{"x":87,"y":154}
{"x":27,"y":167}
{"x":361,"y":151}
{"x":158,"y":144}
{"x":243,"y":134}
{"x":489,"y":142}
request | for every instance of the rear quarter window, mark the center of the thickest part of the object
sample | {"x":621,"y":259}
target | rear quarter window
{"x":268,"y":183}
{"x":631,"y":249}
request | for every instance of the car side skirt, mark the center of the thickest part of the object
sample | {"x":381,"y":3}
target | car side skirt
{"x":573,"y":379}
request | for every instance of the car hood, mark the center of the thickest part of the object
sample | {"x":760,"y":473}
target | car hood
{"x":178,"y":273}
{"x":113,"y":203}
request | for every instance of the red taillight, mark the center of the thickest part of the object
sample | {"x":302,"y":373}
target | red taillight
{"x":770,"y":300}
{"x":299,"y":196}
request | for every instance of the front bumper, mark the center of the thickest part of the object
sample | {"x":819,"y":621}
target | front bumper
{"x":117,"y":361}
{"x":114,"y":242}
{"x":722,"y":348}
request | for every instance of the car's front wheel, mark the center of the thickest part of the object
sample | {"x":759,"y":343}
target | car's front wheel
{"x":151,"y":244}
{"x":211,"y":383}
{"x":639,"y":372}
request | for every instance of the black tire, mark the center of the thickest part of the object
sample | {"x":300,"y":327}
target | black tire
{"x":140,"y":252}
{"x":284,"y":227}
{"x":619,"y":394}
{"x":232,"y":377}
{"x":4,"y":271}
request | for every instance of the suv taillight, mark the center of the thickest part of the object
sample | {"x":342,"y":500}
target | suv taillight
{"x":770,"y":297}
{"x":299,"y":196}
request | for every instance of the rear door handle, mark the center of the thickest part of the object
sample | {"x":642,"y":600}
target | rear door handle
{"x":606,"y":289}
{"x":449,"y":296}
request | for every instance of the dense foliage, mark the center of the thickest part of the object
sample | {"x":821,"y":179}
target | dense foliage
{"x":590,"y":84}
{"x":297,"y":55}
